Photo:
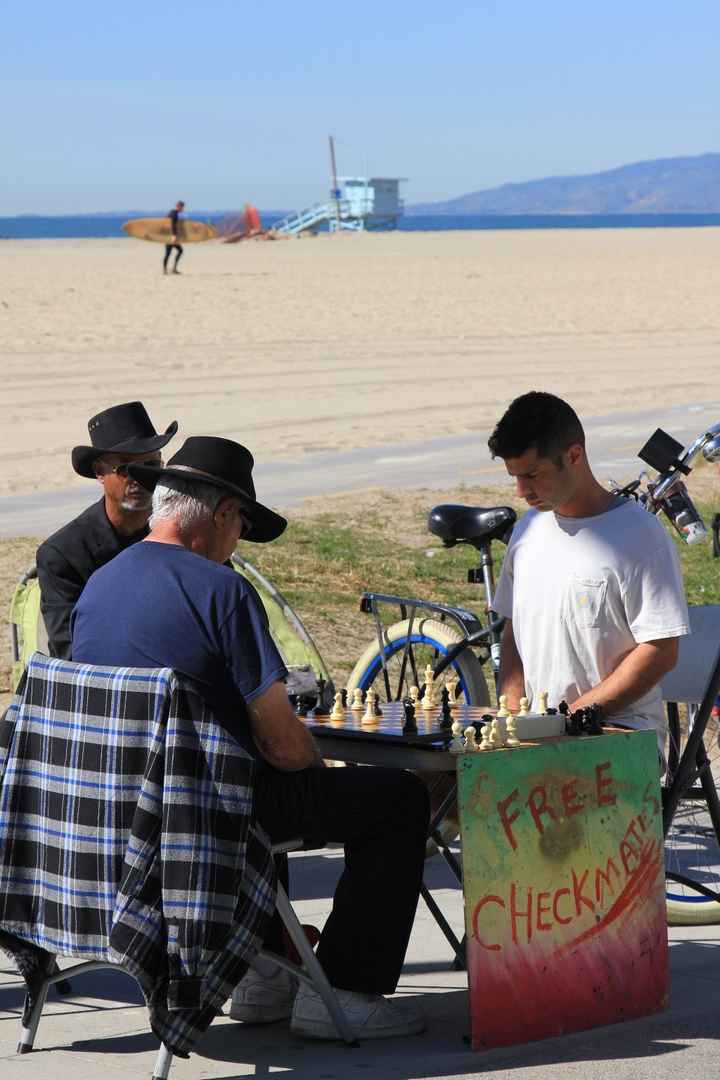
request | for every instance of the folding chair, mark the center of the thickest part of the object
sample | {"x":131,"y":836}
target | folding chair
{"x":309,"y":972}
{"x":75,"y":685}
{"x":691,"y":805}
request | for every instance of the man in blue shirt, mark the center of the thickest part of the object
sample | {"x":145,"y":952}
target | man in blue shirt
{"x":169,"y":602}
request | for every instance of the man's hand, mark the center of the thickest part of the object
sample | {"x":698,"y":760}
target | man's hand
{"x":635,"y":675}
{"x":281,"y":738}
{"x":512,"y":677}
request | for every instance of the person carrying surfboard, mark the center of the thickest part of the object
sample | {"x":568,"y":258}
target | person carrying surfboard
{"x":174,"y":216}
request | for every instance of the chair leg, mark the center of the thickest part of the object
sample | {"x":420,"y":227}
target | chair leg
{"x":162,"y":1063}
{"x":311,"y":964}
{"x":30,"y":1022}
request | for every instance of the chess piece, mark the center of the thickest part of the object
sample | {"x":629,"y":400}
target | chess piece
{"x":344,"y":695}
{"x":428,"y":698}
{"x":303,"y":706}
{"x":357,"y":702}
{"x":415,"y":697}
{"x":502,"y":706}
{"x":338,"y":710}
{"x":486,"y":739}
{"x":542,"y":702}
{"x":498,"y":732}
{"x":523,"y":710}
{"x":321,"y":684}
{"x":446,"y":718}
{"x":320,"y":710}
{"x":376,"y":704}
{"x":564,"y":708}
{"x":452,"y":685}
{"x":512,"y":735}
{"x":457,"y":745}
{"x":369,"y":714}
{"x":470,"y":739}
{"x":573,"y":721}
{"x":594,"y":724}
{"x":409,"y":726}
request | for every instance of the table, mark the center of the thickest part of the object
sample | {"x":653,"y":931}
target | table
{"x":358,"y":742}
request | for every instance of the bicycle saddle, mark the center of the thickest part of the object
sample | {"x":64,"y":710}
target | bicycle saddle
{"x":471,"y":524}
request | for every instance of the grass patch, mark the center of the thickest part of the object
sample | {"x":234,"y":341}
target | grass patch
{"x":337,"y":547}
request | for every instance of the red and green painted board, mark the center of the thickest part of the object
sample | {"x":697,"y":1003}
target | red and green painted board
{"x":564,"y":886}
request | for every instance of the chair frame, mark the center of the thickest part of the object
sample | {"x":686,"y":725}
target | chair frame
{"x":309,"y":972}
{"x":693,"y":764}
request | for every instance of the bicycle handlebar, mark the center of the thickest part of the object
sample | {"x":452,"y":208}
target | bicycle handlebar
{"x":708,"y":442}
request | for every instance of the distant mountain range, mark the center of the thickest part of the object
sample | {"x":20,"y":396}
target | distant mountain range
{"x":679,"y":185}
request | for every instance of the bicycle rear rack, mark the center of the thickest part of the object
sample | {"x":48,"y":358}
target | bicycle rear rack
{"x":472,"y":630}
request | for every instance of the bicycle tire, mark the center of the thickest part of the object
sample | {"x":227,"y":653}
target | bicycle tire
{"x":691,"y":848}
{"x":429,"y":638}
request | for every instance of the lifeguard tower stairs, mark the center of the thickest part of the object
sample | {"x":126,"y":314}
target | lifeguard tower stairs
{"x":356,"y":204}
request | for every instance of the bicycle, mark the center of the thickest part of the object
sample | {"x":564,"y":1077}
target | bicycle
{"x":459,"y":646}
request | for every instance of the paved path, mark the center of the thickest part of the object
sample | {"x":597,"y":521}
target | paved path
{"x":104,"y":1031}
{"x":440,"y":462}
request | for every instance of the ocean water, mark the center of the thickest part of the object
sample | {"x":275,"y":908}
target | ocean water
{"x":31,"y":227}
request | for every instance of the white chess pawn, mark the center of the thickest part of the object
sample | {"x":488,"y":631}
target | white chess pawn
{"x":486,"y":740}
{"x":542,"y":702}
{"x":498,"y":733}
{"x":512,"y":735}
{"x":357,"y":702}
{"x":415,"y":697}
{"x":502,"y":703}
{"x":457,"y":746}
{"x":369,"y":716}
{"x":523,"y":710}
{"x":470,"y":740}
{"x":338,"y":712}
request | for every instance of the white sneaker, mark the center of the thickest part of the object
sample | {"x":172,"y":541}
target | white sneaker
{"x":258,"y":1000}
{"x":371,"y":1016}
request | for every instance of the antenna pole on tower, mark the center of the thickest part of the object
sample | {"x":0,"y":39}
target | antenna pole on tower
{"x":335,"y":188}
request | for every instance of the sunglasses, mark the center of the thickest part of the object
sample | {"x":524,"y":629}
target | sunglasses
{"x":122,"y":470}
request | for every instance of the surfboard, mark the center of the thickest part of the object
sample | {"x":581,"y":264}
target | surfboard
{"x":158,"y":230}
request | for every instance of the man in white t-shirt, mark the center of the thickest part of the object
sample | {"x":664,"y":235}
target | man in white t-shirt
{"x":591,"y":586}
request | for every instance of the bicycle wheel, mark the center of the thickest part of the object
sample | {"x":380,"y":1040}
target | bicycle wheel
{"x":406,"y":667}
{"x":691,"y":844}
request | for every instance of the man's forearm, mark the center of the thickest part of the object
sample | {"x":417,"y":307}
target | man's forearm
{"x":282,"y":738}
{"x":636,"y":674}
{"x":512,"y":676}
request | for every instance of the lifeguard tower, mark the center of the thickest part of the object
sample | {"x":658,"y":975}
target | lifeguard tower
{"x":356,"y":203}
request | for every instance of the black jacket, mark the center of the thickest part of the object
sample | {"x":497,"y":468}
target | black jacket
{"x":66,"y":560}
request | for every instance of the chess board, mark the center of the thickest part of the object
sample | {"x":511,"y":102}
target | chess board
{"x":430,"y":735}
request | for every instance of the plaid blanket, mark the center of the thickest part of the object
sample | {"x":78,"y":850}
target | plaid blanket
{"x":125,"y":835}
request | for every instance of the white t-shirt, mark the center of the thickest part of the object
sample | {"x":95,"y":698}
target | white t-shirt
{"x":582,"y":592}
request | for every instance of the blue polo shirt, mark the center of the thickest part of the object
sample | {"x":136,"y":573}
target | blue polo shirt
{"x":160,"y":605}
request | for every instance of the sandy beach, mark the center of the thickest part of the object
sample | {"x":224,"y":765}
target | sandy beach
{"x":314,"y":352}
{"x":323,"y":345}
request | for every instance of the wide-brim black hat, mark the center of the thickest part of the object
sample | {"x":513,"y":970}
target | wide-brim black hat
{"x":223,"y":464}
{"x":121,"y":429}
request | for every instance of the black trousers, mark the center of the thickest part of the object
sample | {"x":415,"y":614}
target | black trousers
{"x":381,"y":816}
{"x":168,"y":249}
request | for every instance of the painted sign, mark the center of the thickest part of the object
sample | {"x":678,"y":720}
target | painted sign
{"x":564,"y":886}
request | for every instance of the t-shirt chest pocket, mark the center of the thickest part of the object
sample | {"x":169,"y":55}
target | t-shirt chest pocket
{"x":585,"y":601}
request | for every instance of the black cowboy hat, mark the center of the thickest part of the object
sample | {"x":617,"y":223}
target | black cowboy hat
{"x":121,"y":429}
{"x":221,"y":463}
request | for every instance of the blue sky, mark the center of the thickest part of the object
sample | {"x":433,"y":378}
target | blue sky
{"x":133,"y":105}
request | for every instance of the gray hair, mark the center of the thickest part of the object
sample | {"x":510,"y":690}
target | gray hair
{"x":187,"y":502}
